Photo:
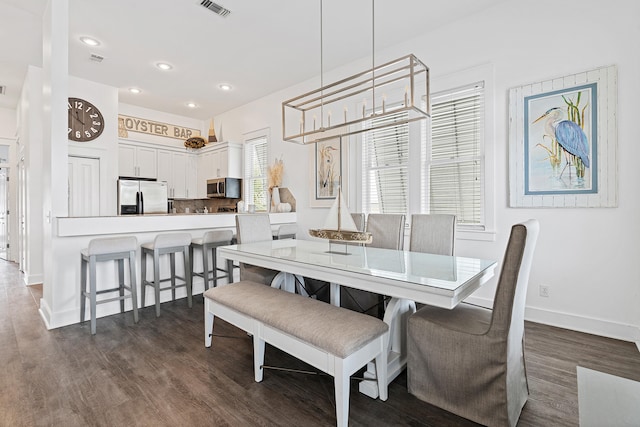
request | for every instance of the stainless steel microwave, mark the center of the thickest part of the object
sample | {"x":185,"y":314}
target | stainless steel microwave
{"x":228,"y":188}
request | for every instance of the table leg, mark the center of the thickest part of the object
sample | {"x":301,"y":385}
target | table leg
{"x":396,"y":316}
{"x":334,"y":294}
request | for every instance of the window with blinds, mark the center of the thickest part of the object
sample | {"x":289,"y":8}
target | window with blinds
{"x":385,"y":163}
{"x":255,"y":172}
{"x":454,"y":158}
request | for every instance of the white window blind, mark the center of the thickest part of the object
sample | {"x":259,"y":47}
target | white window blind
{"x":385,"y":162}
{"x":255,"y":172}
{"x":454,"y":162}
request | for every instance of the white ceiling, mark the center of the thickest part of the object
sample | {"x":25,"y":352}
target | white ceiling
{"x":261,"y":47}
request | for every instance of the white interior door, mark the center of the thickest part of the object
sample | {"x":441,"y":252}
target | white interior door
{"x":84,"y":186}
{"x":4,"y":214}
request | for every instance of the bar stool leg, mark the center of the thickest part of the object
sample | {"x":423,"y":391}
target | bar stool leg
{"x":132,"y":283}
{"x":121,"y":283}
{"x":83,"y":286}
{"x":230,"y":271}
{"x":92,"y":287}
{"x":187,"y":279}
{"x":143,"y":274}
{"x":214,"y":259}
{"x":172,"y":257}
{"x":156,"y":280}
{"x":205,"y":268}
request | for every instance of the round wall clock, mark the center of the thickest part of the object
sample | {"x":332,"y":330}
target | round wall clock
{"x":85,"y":120}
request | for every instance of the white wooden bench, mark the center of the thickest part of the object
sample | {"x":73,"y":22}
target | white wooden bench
{"x":332,"y":339}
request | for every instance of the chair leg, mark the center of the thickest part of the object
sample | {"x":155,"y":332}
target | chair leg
{"x":187,"y":278}
{"x":132,"y":283}
{"x":121,"y":283}
{"x":172,"y":257}
{"x":83,"y":288}
{"x":205,"y":268}
{"x":214,"y":266}
{"x":156,"y":280}
{"x":230,"y":271}
{"x":92,"y":287}
{"x":190,"y":272}
{"x":143,"y":276}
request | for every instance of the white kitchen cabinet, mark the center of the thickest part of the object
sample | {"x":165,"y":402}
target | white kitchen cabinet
{"x":204,"y":170}
{"x":137,"y":161}
{"x":177,"y":168}
{"x":186,"y":173}
{"x":221,"y":160}
{"x":191,"y":176}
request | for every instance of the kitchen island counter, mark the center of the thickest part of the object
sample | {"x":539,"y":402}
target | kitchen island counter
{"x":60,"y":305}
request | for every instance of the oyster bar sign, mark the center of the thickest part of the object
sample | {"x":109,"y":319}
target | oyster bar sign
{"x":128,"y":124}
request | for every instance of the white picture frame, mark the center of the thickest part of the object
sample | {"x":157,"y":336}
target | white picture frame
{"x":327,"y":172}
{"x":531,"y":136}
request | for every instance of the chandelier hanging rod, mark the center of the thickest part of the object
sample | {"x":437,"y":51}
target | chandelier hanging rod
{"x":359,"y":103}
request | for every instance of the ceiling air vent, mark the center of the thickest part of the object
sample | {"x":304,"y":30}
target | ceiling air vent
{"x":215,"y":8}
{"x":95,"y":57}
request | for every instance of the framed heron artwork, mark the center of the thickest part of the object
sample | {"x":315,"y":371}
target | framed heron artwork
{"x":327,"y":171}
{"x":562,"y":141}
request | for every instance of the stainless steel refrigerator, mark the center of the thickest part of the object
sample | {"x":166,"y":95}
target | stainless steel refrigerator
{"x":137,"y":197}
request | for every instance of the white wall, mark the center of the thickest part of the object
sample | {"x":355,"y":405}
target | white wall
{"x":30,"y":147}
{"x":8,"y":129}
{"x":8,"y":123}
{"x":587,"y":257}
{"x":104,"y":147}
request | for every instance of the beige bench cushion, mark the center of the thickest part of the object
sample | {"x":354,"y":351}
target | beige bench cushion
{"x":336,"y":330}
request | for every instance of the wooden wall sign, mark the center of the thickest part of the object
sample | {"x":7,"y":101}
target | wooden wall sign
{"x":134,"y":124}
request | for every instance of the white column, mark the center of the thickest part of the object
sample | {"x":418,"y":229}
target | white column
{"x":55,"y":30}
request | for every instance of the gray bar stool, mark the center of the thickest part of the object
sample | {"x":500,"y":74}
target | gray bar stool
{"x":208,"y":243}
{"x":108,"y":249}
{"x":168,"y":243}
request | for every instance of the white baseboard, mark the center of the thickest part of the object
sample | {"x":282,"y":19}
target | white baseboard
{"x":574,"y":322}
{"x":32,"y":279}
{"x":45,"y":313}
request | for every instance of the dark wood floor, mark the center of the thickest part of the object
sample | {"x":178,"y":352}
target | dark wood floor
{"x":158,"y":373}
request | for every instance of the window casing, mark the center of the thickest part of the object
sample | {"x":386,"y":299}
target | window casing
{"x":255,"y":171}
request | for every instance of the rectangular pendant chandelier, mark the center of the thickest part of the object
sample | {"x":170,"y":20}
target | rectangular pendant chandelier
{"x":360,"y":103}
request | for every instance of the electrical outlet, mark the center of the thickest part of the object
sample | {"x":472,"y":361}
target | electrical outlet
{"x":544,"y":291}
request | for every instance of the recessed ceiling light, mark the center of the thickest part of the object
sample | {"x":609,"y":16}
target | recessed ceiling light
{"x":134,"y":90}
{"x":192,"y":104}
{"x":89,"y":41}
{"x":164,"y":66}
{"x":224,"y":86}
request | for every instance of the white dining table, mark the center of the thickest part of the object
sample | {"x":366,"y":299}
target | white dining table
{"x":406,"y":277}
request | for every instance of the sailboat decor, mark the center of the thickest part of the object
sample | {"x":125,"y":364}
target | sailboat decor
{"x":339,"y":226}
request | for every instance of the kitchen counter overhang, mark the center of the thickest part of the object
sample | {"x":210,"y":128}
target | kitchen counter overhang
{"x":99,"y":226}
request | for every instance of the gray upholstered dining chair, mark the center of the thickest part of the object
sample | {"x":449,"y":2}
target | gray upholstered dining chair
{"x":358,"y":220}
{"x":387,"y":230}
{"x":388,"y":233}
{"x":252,"y":228}
{"x":433,"y":233}
{"x":470,"y":360}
